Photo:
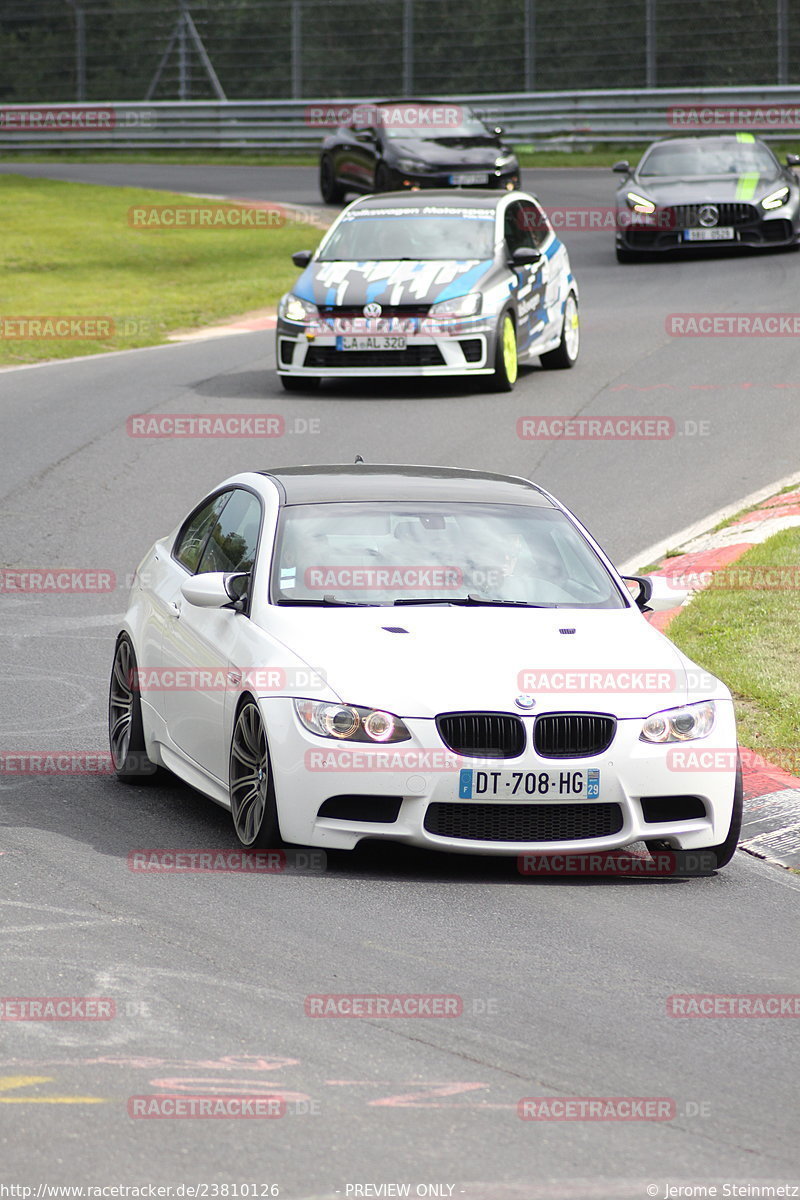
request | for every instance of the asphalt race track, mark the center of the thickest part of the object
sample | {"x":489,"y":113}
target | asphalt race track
{"x":564,"y":983}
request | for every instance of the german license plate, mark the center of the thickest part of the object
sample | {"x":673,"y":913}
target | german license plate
{"x":469,"y":179}
{"x":371,"y":343}
{"x":529,"y":785}
{"x":722,"y":233}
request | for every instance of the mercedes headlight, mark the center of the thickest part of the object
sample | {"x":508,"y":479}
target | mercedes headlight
{"x":300,"y":312}
{"x":458,"y":306}
{"x":776,"y":199}
{"x":639,"y":203}
{"x":679,"y":724}
{"x":347,"y":723}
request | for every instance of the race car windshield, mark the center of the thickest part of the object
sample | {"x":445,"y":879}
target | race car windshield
{"x":374,"y":236}
{"x":708,"y":158}
{"x":382,"y":553}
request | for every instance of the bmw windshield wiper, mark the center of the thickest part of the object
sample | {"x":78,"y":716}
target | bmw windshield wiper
{"x":326,"y":601}
{"x":472,"y":599}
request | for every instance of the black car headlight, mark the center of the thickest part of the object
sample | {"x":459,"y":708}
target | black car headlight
{"x":683,"y":724}
{"x":348,"y":723}
{"x":412,"y":166}
{"x":298,"y":311}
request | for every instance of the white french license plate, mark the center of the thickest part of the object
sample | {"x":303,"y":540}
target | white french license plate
{"x":371,"y":343}
{"x":469,"y":179}
{"x":529,"y":785}
{"x":722,"y":233}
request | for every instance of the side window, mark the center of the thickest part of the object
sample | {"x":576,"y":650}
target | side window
{"x":234,"y":538}
{"x":191,"y":540}
{"x":535,"y":224}
{"x":515,"y":233}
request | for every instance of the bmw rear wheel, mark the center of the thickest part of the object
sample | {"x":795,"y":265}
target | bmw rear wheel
{"x":255,"y":815}
{"x":125,"y":729}
{"x":566,"y":352}
{"x":505,"y":356}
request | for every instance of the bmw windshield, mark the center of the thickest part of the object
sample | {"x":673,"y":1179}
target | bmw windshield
{"x":386,"y":553}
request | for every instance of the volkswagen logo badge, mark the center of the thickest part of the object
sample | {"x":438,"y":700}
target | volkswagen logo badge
{"x":523,"y":701}
{"x":372,"y":310}
{"x":708,"y":215}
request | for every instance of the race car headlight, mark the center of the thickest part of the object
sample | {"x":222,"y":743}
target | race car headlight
{"x":411,"y":165}
{"x":347,"y":723}
{"x":679,"y":724}
{"x":776,"y":199}
{"x":458,"y":306}
{"x":640,"y":203}
{"x":301,"y":312}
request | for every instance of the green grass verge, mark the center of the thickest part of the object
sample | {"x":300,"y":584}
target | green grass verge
{"x":750,"y":638}
{"x":68,"y":250}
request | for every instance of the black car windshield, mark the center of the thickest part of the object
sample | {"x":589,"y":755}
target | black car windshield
{"x":380,"y":553}
{"x":388,"y":234}
{"x":716,"y":156}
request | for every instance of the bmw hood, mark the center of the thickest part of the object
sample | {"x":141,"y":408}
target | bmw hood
{"x":354,"y":284}
{"x":420,"y":661}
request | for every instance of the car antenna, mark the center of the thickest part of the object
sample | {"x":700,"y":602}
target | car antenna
{"x":358,"y":459}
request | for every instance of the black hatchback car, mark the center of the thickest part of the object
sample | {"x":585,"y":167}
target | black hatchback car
{"x":691,"y":192}
{"x":407,"y":144}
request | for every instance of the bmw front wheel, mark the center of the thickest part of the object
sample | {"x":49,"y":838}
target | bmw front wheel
{"x":255,"y":816}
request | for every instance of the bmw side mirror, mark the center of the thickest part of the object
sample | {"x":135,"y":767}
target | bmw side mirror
{"x":654,"y":593}
{"x":526,"y":256}
{"x":793,"y":160}
{"x":216,"y":589}
{"x":301,"y":258}
{"x":622,"y":167}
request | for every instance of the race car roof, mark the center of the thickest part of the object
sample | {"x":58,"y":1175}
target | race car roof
{"x":371,"y":482}
{"x":434,"y":198}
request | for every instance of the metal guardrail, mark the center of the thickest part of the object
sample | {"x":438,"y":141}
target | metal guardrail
{"x":538,"y":119}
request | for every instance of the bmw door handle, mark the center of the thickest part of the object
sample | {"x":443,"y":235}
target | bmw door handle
{"x":174,"y":609}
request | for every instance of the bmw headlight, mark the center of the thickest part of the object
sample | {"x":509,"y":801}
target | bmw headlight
{"x":776,"y":199}
{"x":294,"y":308}
{"x":458,"y":306}
{"x":348,"y":723}
{"x":640,"y":204}
{"x":679,"y":724}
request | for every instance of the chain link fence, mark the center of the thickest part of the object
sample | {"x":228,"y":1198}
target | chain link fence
{"x":117,"y":50}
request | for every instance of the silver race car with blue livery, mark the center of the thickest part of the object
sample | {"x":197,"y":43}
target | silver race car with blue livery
{"x":430,"y":283}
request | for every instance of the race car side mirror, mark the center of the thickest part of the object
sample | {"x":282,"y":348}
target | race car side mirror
{"x":622,"y":167}
{"x":526,"y":256}
{"x":301,"y":258}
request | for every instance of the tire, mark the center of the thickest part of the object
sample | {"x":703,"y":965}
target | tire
{"x":125,"y":729}
{"x":505,"y":356}
{"x":299,"y":383}
{"x":252,"y":793}
{"x":566,"y":352}
{"x":718,"y":856}
{"x":382,"y":178}
{"x":332,"y":192}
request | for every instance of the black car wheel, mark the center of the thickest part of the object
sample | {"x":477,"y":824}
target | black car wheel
{"x":125,"y":730}
{"x":565,"y":354}
{"x":383,"y":179}
{"x":332,"y":191}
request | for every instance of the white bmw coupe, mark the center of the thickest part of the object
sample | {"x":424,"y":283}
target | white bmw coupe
{"x":436,"y":656}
